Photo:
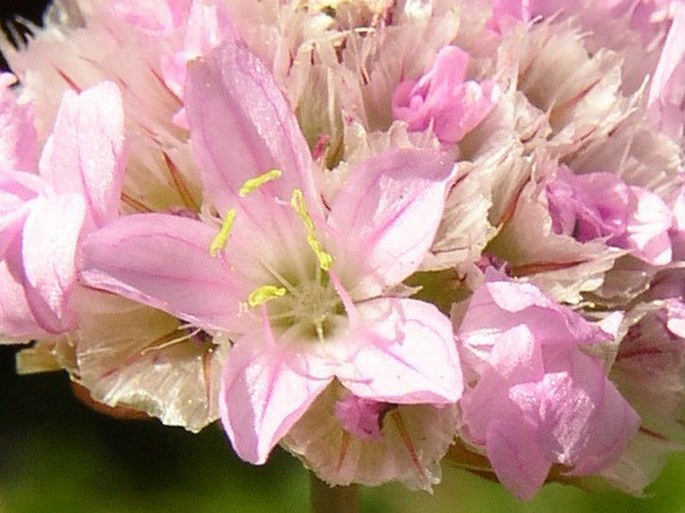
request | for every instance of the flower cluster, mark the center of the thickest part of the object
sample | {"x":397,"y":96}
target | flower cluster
{"x":381,"y":234}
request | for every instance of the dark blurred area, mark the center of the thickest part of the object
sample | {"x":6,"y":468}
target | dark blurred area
{"x":10,"y":11}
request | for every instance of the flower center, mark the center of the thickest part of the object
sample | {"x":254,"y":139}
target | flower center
{"x":309,"y":310}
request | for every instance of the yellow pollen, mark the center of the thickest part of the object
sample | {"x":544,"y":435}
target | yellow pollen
{"x":297,"y":202}
{"x":265,"y":293}
{"x":255,"y":183}
{"x":221,"y":238}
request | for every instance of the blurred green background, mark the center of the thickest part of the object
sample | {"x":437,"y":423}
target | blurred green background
{"x":56,"y":455}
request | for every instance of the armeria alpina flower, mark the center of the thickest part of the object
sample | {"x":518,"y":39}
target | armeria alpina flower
{"x":303,"y":289}
{"x":44,"y":217}
{"x":442,"y":100}
{"x":535,"y":399}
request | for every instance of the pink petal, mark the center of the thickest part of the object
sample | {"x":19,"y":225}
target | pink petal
{"x":243,"y":127}
{"x":443,"y":99}
{"x":49,"y":243}
{"x":85,"y":151}
{"x":519,"y":464}
{"x":647,"y":229}
{"x":17,"y":190}
{"x":164,"y":261}
{"x":16,"y":319}
{"x":586,"y":418}
{"x":666,"y":92}
{"x":208,"y":26}
{"x":515,"y":358}
{"x":502,"y":304}
{"x":151,"y":15}
{"x":406,"y":354}
{"x":17,"y":134}
{"x":385,"y":218}
{"x":265,"y":391}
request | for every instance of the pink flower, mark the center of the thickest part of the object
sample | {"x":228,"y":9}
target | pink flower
{"x":42,"y":217}
{"x":300,"y":288}
{"x":443,"y":99}
{"x":361,"y":417}
{"x":594,"y":205}
{"x":537,"y":398}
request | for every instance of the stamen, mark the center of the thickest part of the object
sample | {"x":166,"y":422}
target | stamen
{"x":265,"y":293}
{"x":255,"y":183}
{"x":297,"y":202}
{"x":221,"y":239}
{"x":173,"y":341}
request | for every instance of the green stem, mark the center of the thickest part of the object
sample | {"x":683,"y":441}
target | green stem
{"x":333,"y":499}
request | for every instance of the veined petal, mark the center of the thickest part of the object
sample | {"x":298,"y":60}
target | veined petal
{"x":406,"y":354}
{"x":49,"y":242}
{"x":242,"y":127}
{"x":589,"y":423}
{"x":164,"y":261}
{"x":265,"y":390}
{"x":85,"y":151}
{"x":384,"y":219}
{"x":518,"y":462}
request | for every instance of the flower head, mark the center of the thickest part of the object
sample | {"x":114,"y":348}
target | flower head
{"x":300,"y":288}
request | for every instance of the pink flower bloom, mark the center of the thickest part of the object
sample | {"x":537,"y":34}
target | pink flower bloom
{"x":443,"y":99}
{"x":300,"y":288}
{"x":538,"y":399}
{"x":594,"y":205}
{"x":361,"y":417}
{"x":42,"y":217}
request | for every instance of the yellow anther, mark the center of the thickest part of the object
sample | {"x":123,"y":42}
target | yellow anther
{"x":221,"y":238}
{"x":265,"y":293}
{"x":255,"y":183}
{"x":297,"y":202}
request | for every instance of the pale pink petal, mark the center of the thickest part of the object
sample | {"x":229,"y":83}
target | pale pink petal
{"x":17,"y":322}
{"x":17,"y":190}
{"x":208,"y":26}
{"x":164,"y":261}
{"x":153,"y":16}
{"x":17,"y":134}
{"x":85,"y":151}
{"x":647,"y":230}
{"x":265,"y":390}
{"x":406,"y":354}
{"x":360,"y":417}
{"x":519,"y":464}
{"x":589,"y":420}
{"x":507,"y":12}
{"x":242,"y":127}
{"x":667,"y":90}
{"x":443,"y":99}
{"x":515,"y":357}
{"x":49,"y":241}
{"x":551,"y":322}
{"x":385,"y":218}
